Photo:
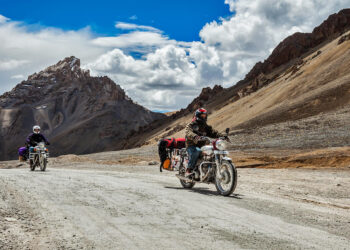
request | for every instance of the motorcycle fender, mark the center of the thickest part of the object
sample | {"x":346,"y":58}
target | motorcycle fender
{"x":227,"y":159}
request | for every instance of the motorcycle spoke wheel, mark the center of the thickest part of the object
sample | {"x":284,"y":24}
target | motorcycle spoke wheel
{"x":43,"y":162}
{"x":226,"y":184}
{"x":32,"y":165}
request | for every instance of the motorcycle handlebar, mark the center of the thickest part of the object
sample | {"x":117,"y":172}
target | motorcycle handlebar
{"x":205,"y":138}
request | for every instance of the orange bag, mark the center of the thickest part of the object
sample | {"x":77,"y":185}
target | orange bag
{"x":167,"y":164}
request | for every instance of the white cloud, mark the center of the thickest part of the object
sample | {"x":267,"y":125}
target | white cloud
{"x":232,"y":4}
{"x":133,"y":39}
{"x":134,"y":17}
{"x":132,"y":26}
{"x":11,"y":64}
{"x":4,"y":19}
{"x":157,"y":81}
{"x":167,"y":74}
{"x":19,"y":77}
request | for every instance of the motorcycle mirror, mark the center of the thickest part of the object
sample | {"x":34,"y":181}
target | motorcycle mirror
{"x":227,"y":130}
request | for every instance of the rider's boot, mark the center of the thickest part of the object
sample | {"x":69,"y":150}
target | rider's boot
{"x":188,"y":172}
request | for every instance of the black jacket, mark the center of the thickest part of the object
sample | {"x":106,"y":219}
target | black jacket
{"x":34,"y":139}
{"x":196,"y":129}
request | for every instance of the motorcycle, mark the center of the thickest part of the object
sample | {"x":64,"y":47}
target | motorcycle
{"x":213,"y":166}
{"x":38,"y":156}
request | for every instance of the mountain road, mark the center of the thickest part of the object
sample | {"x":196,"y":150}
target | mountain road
{"x":91,"y":206}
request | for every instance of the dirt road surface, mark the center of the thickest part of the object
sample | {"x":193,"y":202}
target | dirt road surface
{"x":90,"y":206}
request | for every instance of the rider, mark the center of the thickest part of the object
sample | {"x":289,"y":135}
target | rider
{"x":36,"y":137}
{"x":194,"y":131}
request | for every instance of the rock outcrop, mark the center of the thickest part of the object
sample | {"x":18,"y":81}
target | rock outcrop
{"x":206,"y":94}
{"x":79,"y":113}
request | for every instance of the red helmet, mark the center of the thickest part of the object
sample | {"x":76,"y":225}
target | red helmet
{"x":199,"y":114}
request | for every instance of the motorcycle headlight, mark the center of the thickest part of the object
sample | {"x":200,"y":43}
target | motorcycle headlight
{"x":221,"y":144}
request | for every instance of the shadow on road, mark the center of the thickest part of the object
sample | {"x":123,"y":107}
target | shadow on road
{"x":11,"y":166}
{"x":205,"y":191}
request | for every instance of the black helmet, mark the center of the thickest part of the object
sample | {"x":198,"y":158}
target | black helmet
{"x":199,"y":115}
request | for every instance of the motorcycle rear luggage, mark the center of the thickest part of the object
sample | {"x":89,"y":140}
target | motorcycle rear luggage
{"x":22,"y":151}
{"x":167,"y":165}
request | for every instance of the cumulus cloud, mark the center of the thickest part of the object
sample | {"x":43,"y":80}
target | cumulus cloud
{"x":154,"y":81}
{"x":232,"y":4}
{"x":3,"y":19}
{"x":167,"y":74}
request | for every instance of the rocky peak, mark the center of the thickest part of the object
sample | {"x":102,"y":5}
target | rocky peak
{"x":67,"y":69}
{"x":204,"y":97}
{"x":61,"y":80}
{"x":69,"y":63}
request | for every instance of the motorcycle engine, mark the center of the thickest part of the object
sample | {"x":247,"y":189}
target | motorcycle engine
{"x":205,"y":176}
{"x":206,"y":157}
{"x":205,"y":168}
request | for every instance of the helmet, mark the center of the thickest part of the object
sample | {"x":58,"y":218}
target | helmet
{"x":36,"y":129}
{"x":199,"y":115}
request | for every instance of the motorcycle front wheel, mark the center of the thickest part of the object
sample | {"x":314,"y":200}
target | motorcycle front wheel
{"x":228,"y":181}
{"x":43,"y":163}
{"x":185,"y":184}
{"x":32,"y":165}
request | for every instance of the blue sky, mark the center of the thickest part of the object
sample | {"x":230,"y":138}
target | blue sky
{"x":181,"y":19}
{"x":162,"y":53}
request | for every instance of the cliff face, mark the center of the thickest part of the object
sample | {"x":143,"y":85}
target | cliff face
{"x":77,"y":112}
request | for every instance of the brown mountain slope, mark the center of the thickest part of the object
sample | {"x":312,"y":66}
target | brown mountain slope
{"x":318,"y":85}
{"x":298,"y":44}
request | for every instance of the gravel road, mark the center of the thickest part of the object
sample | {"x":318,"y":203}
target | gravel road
{"x":90,"y":206}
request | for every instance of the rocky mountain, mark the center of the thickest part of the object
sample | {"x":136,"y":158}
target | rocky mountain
{"x":288,"y":53}
{"x":298,"y":44}
{"x":305,"y":75}
{"x":78,"y":113}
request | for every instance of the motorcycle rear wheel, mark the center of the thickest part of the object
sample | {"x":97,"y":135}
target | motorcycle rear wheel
{"x":228,"y":183}
{"x":185,"y":184}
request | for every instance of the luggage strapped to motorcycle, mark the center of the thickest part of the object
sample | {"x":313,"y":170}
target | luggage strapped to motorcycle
{"x":166,"y":148}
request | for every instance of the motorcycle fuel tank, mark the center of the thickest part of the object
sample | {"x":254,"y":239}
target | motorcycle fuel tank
{"x":207,"y":150}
